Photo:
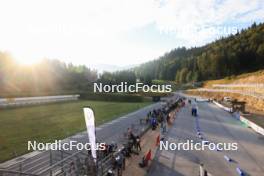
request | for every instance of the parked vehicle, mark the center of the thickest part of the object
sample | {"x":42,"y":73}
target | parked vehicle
{"x":227,"y":99}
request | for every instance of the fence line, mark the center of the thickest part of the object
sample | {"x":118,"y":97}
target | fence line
{"x":254,"y":85}
{"x":247,"y":93}
{"x":7,"y":102}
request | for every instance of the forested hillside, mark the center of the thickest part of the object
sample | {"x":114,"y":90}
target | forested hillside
{"x":236,"y":54}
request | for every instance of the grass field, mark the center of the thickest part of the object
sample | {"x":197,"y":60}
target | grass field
{"x":49,"y":122}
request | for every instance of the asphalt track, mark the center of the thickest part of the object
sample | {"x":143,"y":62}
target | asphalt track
{"x":216,"y":125}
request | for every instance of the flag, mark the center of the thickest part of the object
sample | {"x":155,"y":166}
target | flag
{"x":89,"y":120}
{"x":158,"y":140}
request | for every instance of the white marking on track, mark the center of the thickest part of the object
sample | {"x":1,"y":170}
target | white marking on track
{"x":124,"y":117}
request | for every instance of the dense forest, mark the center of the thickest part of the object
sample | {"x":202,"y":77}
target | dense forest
{"x":235,"y":54}
{"x":44,"y":78}
{"x":117,"y":77}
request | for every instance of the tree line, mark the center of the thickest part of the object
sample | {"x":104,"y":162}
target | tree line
{"x":46,"y":77}
{"x":50,"y":77}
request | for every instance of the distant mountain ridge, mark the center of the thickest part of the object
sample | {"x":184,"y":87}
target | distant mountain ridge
{"x":110,"y":68}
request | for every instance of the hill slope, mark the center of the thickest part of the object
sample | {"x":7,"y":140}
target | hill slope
{"x":233,"y":55}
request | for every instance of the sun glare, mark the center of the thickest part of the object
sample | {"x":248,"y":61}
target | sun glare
{"x":27,"y":61}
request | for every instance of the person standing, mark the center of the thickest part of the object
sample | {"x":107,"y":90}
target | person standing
{"x":138,"y":147}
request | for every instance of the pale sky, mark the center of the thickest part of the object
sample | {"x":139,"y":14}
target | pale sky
{"x":117,"y":32}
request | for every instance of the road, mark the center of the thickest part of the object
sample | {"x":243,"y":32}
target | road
{"x":109,"y":132}
{"x":216,"y":126}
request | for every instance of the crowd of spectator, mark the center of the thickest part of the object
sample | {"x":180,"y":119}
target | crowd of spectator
{"x":156,"y":117}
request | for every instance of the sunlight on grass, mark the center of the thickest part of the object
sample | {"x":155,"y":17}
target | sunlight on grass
{"x":53,"y":121}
